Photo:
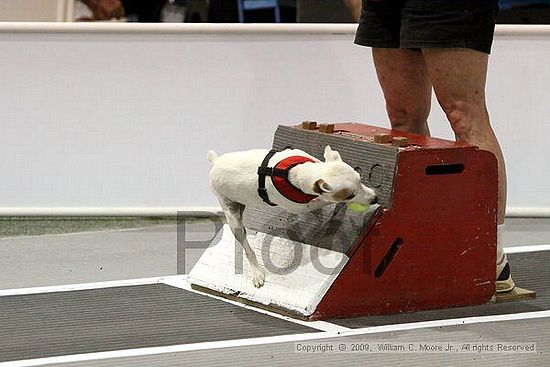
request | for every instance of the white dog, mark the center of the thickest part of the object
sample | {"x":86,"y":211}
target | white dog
{"x":298,"y":183}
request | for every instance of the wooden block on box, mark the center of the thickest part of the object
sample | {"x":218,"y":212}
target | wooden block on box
{"x":326,"y":128}
{"x":309,"y":125}
{"x":400,"y":141}
{"x":382,"y":138}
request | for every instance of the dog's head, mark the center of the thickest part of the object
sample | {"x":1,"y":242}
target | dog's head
{"x":339,"y":182}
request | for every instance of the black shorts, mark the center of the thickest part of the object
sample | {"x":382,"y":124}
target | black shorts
{"x":418,"y":24}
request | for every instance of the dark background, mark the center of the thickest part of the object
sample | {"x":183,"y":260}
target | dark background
{"x":307,"y":11}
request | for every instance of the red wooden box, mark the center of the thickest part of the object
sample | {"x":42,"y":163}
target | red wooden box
{"x":438,"y":236}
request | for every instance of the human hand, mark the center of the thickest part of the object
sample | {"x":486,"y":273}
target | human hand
{"x":105,"y":9}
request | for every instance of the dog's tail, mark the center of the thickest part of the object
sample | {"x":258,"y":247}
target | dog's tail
{"x":212,"y":156}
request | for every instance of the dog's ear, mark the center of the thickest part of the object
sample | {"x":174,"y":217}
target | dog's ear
{"x":331,"y":155}
{"x":320,"y":187}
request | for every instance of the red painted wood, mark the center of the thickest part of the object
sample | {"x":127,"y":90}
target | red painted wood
{"x":414,"y":139}
{"x":448,"y":227}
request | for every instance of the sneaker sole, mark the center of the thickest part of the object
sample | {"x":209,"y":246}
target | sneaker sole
{"x":505,"y":285}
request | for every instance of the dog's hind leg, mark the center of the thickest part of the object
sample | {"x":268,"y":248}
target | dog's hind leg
{"x":234,"y":215}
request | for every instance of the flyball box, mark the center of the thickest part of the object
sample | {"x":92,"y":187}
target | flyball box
{"x":429,"y":243}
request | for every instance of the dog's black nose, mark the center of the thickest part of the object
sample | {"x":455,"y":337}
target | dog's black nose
{"x":374,"y":200}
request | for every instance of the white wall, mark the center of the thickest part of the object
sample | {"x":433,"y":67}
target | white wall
{"x":32,"y":10}
{"x":122,"y":116}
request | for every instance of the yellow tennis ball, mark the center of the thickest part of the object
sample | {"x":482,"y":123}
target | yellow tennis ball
{"x":358,"y":208}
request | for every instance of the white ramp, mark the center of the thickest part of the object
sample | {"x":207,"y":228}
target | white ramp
{"x":297,"y":275}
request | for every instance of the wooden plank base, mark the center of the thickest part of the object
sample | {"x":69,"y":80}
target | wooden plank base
{"x":236,"y":298}
{"x":516,"y":294}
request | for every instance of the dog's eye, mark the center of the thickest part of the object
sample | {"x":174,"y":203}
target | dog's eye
{"x":350,"y":197}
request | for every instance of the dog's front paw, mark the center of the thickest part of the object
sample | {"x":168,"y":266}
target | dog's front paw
{"x":258,"y":278}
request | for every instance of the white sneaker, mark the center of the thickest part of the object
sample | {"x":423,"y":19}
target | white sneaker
{"x":504,"y":277}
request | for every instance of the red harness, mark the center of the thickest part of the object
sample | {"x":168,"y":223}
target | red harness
{"x":283,"y":185}
{"x":279,"y":178}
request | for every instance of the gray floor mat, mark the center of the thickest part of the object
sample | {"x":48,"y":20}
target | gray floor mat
{"x":284,"y":354}
{"x":62,"y":323}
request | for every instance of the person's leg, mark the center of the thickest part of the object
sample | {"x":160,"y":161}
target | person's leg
{"x":407,"y":89}
{"x":354,"y":7}
{"x":458,"y":77}
{"x":401,"y":72}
